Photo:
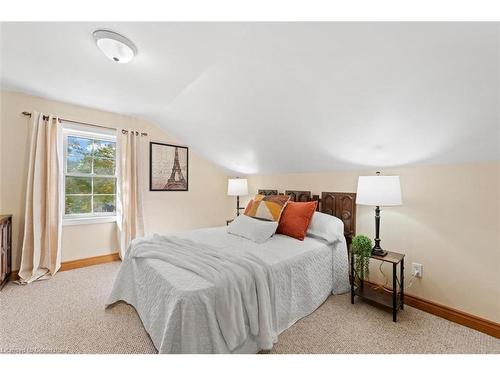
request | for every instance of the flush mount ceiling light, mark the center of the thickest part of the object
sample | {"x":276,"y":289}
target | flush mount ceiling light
{"x":115,"y":46}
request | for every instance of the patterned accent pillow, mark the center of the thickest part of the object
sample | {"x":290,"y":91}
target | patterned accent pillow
{"x":267,"y":207}
{"x":249,"y":206}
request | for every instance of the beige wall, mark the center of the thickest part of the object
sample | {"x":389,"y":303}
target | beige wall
{"x":204,"y":205}
{"x":449,"y":222}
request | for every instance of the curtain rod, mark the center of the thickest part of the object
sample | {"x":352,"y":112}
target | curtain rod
{"x":83,"y":123}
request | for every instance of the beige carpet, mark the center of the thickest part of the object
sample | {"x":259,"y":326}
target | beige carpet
{"x":66,"y":315}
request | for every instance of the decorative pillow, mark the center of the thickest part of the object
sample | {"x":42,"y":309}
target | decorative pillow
{"x":296,"y":218}
{"x":268,"y":207}
{"x":255,"y":230}
{"x":327,"y":227}
{"x":249,"y":206}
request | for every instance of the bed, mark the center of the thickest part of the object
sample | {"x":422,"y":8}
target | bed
{"x":182,"y":311}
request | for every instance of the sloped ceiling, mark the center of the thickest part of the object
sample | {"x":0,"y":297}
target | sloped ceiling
{"x":282,"y":97}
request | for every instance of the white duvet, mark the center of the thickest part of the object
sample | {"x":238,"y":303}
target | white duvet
{"x":207,"y":291}
{"x":243,"y":284}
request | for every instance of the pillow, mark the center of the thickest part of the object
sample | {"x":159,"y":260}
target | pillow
{"x":249,"y":206}
{"x":255,"y":230}
{"x":296,"y":218}
{"x":327,"y":227}
{"x":268,"y":207}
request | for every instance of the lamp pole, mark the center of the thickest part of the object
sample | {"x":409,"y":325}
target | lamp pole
{"x":377,"y":250}
{"x":377,"y":229}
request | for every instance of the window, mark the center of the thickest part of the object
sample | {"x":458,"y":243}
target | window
{"x":89,"y":176}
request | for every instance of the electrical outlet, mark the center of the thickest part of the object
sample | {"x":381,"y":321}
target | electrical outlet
{"x":416,"y":269}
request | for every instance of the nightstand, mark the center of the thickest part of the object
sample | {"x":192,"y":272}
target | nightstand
{"x":229,"y":221}
{"x":393,"y":300}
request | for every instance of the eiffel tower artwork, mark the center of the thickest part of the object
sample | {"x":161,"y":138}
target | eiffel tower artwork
{"x":176,"y":180}
{"x":168,"y":168}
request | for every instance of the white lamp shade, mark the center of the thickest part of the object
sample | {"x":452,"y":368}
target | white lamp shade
{"x":379,"y":191}
{"x":237,"y":186}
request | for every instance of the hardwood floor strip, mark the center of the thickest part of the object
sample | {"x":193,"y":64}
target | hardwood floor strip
{"x":79,"y":263}
{"x":454,"y":315}
{"x":468,"y":320}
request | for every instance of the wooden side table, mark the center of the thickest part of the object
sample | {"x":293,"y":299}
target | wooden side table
{"x":5,"y":249}
{"x":394,"y":300}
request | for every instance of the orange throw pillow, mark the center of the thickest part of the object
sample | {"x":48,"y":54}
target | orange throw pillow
{"x":296,"y":218}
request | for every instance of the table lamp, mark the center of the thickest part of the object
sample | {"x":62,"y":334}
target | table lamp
{"x":237,"y":187}
{"x":378,"y":191}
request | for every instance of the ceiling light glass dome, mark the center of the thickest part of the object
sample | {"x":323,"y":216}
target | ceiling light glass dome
{"x":115,"y":46}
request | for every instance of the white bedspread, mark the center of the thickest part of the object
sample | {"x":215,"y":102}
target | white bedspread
{"x":244,"y":289}
{"x":178,"y":305}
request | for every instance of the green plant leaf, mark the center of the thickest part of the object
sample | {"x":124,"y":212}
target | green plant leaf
{"x":361,"y":248}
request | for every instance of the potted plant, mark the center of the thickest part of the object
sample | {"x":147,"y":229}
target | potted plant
{"x":361,"y":248}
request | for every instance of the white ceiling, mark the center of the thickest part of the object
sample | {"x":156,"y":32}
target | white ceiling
{"x":282,"y":97}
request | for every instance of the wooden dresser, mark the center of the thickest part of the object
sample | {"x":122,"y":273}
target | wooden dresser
{"x":5,"y":249}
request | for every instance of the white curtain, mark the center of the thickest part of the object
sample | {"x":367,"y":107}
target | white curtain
{"x":41,"y":251}
{"x":129,"y":192}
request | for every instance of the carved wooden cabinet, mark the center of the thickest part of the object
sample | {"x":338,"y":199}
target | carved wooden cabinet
{"x":343,"y":206}
{"x":5,"y":248}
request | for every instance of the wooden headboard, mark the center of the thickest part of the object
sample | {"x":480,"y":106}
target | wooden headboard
{"x":299,"y":196}
{"x":268,"y":192}
{"x":341,"y":205}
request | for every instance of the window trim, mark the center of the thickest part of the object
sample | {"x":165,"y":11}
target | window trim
{"x":90,"y":218}
{"x":68,"y":221}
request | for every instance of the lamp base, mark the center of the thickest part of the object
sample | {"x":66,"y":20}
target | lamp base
{"x":379,"y":252}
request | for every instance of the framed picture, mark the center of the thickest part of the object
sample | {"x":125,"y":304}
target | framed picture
{"x":168,"y":167}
